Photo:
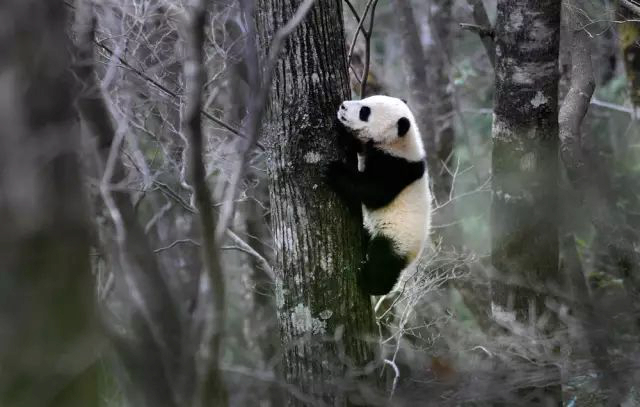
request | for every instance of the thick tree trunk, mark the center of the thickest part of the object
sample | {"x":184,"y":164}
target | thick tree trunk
{"x":324,"y":317}
{"x":525,"y":165}
{"x":48,"y":341}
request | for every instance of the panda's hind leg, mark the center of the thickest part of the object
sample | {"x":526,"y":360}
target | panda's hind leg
{"x":382,"y":266}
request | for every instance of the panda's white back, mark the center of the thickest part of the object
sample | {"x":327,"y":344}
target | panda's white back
{"x":407,"y":219}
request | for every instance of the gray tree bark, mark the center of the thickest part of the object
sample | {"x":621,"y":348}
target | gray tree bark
{"x":525,"y":166}
{"x":324,"y":317}
{"x":48,"y":337}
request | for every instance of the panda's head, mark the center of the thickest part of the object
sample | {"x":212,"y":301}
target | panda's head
{"x":378,"y":119}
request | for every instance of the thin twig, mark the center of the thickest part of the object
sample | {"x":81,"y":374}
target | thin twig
{"x":355,"y":15}
{"x":175,"y":243}
{"x":157,"y":325}
{"x":481,"y":30}
{"x":244,"y":246}
{"x":612,"y":106}
{"x":158,"y":85}
{"x":358,"y":29}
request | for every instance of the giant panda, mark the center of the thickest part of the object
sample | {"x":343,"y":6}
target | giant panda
{"x":389,"y":181}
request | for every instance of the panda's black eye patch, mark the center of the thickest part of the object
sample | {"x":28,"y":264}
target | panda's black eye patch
{"x":403,"y":126}
{"x":365,"y":112}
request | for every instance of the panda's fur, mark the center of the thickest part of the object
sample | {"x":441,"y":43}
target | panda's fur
{"x":389,"y":180}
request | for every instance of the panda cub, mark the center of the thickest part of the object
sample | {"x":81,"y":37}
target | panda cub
{"x":390,"y":182}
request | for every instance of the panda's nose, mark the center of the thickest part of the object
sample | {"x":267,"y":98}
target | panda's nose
{"x":343,"y":107}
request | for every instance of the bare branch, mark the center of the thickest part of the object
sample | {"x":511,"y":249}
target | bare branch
{"x":371,"y":4}
{"x":482,"y":31}
{"x":175,"y":243}
{"x":356,"y":16}
{"x":158,"y":85}
{"x":157,"y":330}
{"x":611,"y":106}
{"x":367,"y":51}
{"x":251,"y":251}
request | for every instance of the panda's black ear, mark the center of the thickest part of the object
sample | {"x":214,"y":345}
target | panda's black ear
{"x":405,"y":101}
{"x":403,"y":126}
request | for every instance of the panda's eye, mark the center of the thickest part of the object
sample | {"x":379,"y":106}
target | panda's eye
{"x":365,"y":112}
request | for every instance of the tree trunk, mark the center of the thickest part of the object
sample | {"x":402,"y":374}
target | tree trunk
{"x":525,"y":166}
{"x":324,"y":317}
{"x":48,"y":339}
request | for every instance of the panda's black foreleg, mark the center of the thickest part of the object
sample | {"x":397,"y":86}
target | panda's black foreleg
{"x":358,"y":188}
{"x":348,"y":142}
{"x":382,"y":267}
{"x":342,"y":179}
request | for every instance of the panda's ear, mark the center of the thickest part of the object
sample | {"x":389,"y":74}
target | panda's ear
{"x":405,"y":101}
{"x":403,"y":126}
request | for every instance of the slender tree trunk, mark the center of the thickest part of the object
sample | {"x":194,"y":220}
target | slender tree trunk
{"x":48,"y":338}
{"x":525,"y":166}
{"x":443,"y":108}
{"x":629,"y":34}
{"x":417,"y":79}
{"x":324,"y":317}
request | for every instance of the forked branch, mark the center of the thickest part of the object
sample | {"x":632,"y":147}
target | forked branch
{"x":366,"y":33}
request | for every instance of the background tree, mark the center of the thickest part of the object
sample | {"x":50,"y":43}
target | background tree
{"x":525,"y":172}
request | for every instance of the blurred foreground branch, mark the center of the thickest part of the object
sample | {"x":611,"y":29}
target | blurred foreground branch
{"x":49,"y":341}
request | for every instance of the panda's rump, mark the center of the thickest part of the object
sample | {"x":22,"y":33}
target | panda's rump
{"x":406,"y":220}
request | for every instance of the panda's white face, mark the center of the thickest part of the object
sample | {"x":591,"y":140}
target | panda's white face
{"x":381,"y":119}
